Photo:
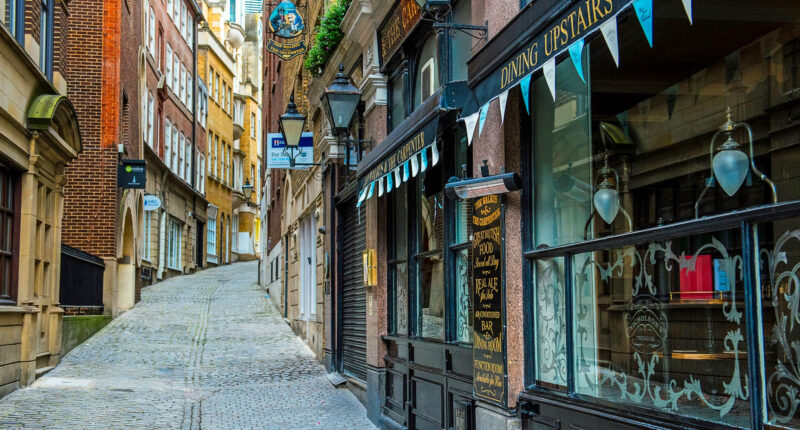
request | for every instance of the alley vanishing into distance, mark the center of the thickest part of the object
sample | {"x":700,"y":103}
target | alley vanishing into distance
{"x":207,"y":350}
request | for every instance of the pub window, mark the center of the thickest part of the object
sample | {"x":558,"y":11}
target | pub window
{"x":658,"y":320}
{"x":427,"y":80}
{"x":9,"y":221}
{"x":429,"y":256}
{"x":398,"y":259}
{"x":461,"y":244}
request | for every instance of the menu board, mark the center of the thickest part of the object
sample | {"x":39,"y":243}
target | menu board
{"x":488,"y":351}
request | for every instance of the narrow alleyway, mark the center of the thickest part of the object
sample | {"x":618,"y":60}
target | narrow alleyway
{"x":201,"y":351}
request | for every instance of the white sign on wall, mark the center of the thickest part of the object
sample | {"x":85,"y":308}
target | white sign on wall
{"x":151,"y":202}
{"x":278,"y":155}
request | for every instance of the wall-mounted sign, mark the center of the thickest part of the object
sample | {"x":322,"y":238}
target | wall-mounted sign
{"x":151,"y":202}
{"x":394,"y":30}
{"x":278,"y":154}
{"x":285,"y":21}
{"x":132,"y":174}
{"x":286,"y":51}
{"x":488,"y":351}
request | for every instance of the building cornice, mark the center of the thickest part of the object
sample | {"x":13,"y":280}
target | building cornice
{"x":207,"y":39}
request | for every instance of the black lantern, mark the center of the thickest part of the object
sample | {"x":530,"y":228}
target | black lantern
{"x":292,"y":124}
{"x":340,"y":101}
{"x":247,"y":190}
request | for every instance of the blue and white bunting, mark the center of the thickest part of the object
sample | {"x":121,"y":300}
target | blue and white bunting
{"x":380,"y":187}
{"x":576,"y":53}
{"x":361,"y":197}
{"x":525,"y":87}
{"x":549,"y":70}
{"x":470,"y":123}
{"x":389,"y":182}
{"x":423,"y":160}
{"x":434,"y":154}
{"x":371,"y":190}
{"x":484,"y":112}
{"x":503,"y":98}
{"x":397,"y":179}
{"x":414,"y":165}
{"x":644,"y":11}
{"x":687,"y":5}
{"x":405,"y":171}
{"x":609,"y":30}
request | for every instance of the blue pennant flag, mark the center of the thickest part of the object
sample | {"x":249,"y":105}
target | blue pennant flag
{"x":482,"y":118}
{"x":525,"y":87}
{"x":424,"y":158}
{"x":362,"y":196}
{"x":644,"y":11}
{"x":371,"y":190}
{"x":576,"y":53}
{"x":405,"y":171}
{"x":389,"y":182}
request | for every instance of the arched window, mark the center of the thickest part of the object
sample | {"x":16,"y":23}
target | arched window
{"x":427,"y":75}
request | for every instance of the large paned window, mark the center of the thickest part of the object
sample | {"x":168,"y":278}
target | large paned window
{"x":174,"y":244}
{"x":398,"y":258}
{"x":169,"y":64}
{"x":211,"y":241}
{"x":429,"y":255}
{"x":662,"y":319}
{"x":151,"y":32}
{"x":167,"y":142}
{"x":9,"y":211}
{"x":461,"y":244}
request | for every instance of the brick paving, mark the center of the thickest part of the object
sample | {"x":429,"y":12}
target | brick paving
{"x":203,"y":351}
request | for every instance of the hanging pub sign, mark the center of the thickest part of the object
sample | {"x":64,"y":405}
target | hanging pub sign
{"x":132,"y":174}
{"x":394,"y":30}
{"x":488,"y":351}
{"x":286,"y":22}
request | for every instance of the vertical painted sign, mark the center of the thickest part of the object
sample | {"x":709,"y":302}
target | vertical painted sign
{"x":488,"y":350}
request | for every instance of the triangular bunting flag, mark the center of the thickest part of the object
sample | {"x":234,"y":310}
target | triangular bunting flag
{"x":576,"y":53}
{"x":371,"y":190}
{"x":389,"y":183}
{"x":549,"y":69}
{"x":414,"y":165}
{"x":609,"y":30}
{"x":470,"y":122}
{"x":484,"y":112}
{"x":423,"y":159}
{"x":503,"y":100}
{"x":525,"y":87}
{"x":397,"y":179}
{"x":687,"y":4}
{"x":644,"y":11}
{"x":405,"y":171}
{"x":380,"y":187}
{"x":361,"y":197}
{"x":434,"y":154}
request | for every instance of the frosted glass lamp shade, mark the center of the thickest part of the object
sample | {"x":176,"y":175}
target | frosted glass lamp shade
{"x":606,"y":202}
{"x":730,"y":169}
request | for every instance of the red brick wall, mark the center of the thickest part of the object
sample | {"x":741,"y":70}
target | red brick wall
{"x":131,"y":33}
{"x":91,"y":196}
{"x":60,"y":14}
{"x":33,"y":10}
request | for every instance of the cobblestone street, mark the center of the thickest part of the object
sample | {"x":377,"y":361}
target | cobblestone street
{"x":200,"y":351}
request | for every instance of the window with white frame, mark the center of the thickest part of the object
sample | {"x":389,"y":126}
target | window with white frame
{"x":169,"y":8}
{"x":176,"y":13}
{"x":188,"y":162}
{"x":201,"y":173}
{"x":308,"y":272}
{"x":217,"y":157}
{"x":211,"y":246}
{"x":190,"y":32}
{"x":167,"y":142}
{"x":174,"y":244}
{"x":175,"y":148}
{"x":182,"y":93}
{"x":189,"y":91}
{"x":150,"y":115}
{"x":169,"y":64}
{"x":183,"y":21}
{"x":147,"y":231}
{"x":235,"y":232}
{"x":253,"y":125}
{"x":176,"y":75}
{"x":181,"y":151}
{"x":151,"y":32}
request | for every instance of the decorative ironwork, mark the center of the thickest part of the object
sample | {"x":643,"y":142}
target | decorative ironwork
{"x":401,"y":287}
{"x":464,"y":328}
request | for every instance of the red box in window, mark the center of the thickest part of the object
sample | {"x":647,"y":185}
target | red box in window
{"x":697,"y":284}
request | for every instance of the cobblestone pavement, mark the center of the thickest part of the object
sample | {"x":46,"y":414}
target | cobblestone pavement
{"x":203,"y":351}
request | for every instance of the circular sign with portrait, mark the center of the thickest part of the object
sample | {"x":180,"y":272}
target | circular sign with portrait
{"x":285,"y":21}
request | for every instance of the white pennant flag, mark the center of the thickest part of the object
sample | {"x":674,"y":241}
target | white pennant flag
{"x":397,"y":179}
{"x":550,"y":75}
{"x":687,"y":4}
{"x":380,"y":186}
{"x":503,"y":100}
{"x":434,"y":154}
{"x":471,"y":121}
{"x":609,"y":30}
{"x":414,"y":165}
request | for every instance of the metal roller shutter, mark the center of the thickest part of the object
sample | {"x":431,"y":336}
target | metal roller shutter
{"x":354,"y":297}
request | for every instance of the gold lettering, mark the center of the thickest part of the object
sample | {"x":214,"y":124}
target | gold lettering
{"x":581,"y":22}
{"x":598,"y":14}
{"x":589,"y":12}
{"x":571,"y":18}
{"x":609,"y":6}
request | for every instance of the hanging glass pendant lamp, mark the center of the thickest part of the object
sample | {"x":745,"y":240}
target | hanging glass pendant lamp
{"x":606,"y":201}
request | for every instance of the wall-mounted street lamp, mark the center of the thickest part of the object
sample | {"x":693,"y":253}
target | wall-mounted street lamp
{"x":340,"y":101}
{"x":470,"y":188}
{"x":730,"y":165}
{"x":439,"y":9}
{"x":247,"y":190}
{"x":292,"y":124}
